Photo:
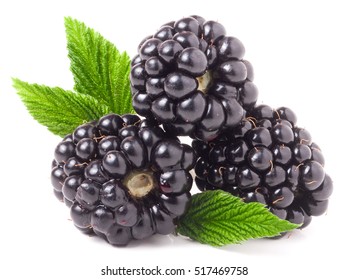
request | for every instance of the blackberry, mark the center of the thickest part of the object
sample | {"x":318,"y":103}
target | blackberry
{"x":267,"y":159}
{"x":123,"y":178}
{"x":192,"y":78}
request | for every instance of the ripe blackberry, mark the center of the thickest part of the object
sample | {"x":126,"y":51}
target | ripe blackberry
{"x":192,"y":78}
{"x":267,"y":159}
{"x":123,"y":178}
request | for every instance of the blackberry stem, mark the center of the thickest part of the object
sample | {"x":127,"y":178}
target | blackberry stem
{"x":204,"y":81}
{"x":139,"y":183}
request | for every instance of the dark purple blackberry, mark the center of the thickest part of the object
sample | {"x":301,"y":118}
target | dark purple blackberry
{"x":123,"y":178}
{"x":267,"y":159}
{"x":192,"y":78}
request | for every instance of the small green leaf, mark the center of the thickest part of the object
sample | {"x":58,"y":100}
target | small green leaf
{"x":217,"y":218}
{"x":99,"y":69}
{"x":61,"y":111}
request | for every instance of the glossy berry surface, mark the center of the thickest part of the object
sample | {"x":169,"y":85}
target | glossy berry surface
{"x":191,"y":77}
{"x":267,"y":159}
{"x":123,"y":178}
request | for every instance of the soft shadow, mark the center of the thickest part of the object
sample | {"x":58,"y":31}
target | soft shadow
{"x":269,"y":247}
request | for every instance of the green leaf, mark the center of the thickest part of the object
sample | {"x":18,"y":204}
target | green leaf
{"x":99,"y":69}
{"x":61,"y":111}
{"x":217,"y":218}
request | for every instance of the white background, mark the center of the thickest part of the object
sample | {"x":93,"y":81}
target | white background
{"x":299,"y":53}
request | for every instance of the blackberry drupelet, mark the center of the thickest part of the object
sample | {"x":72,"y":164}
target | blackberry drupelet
{"x":123,"y":178}
{"x":267,"y":159}
{"x":192,"y":78}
